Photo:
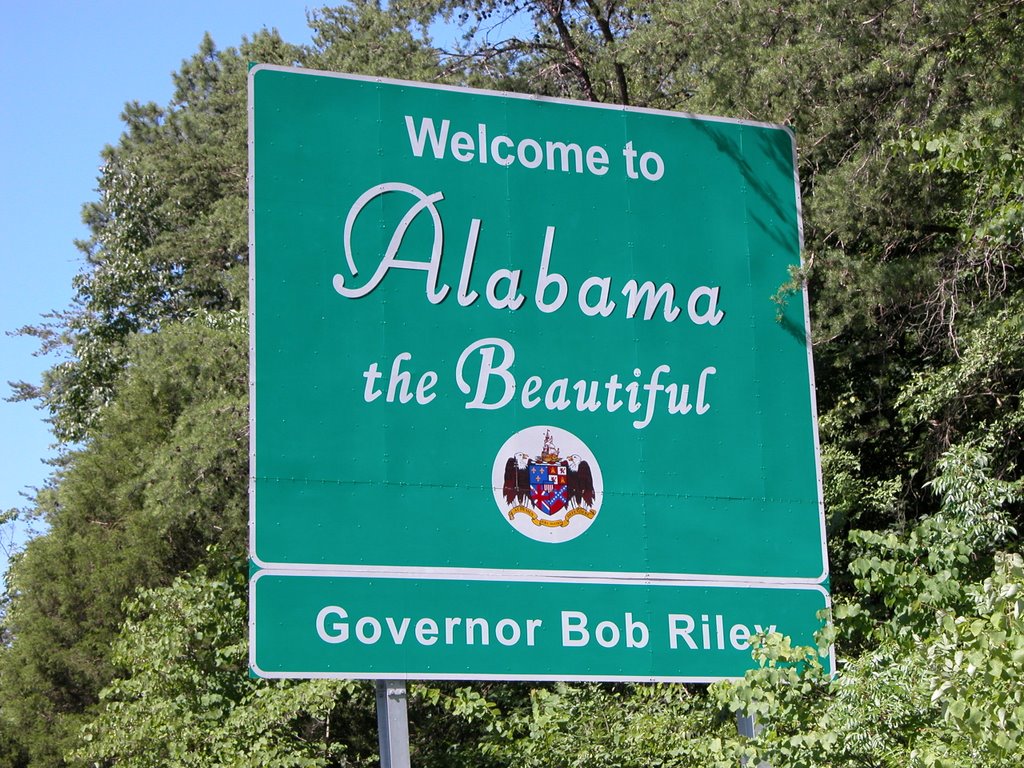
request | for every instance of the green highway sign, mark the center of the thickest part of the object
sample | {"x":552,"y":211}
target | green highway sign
{"x":509,"y":349}
{"x":381,"y":626}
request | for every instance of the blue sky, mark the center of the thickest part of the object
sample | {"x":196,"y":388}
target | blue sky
{"x":66,"y":70}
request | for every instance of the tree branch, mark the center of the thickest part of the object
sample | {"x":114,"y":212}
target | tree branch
{"x":554,"y":8}
{"x":604,"y":24}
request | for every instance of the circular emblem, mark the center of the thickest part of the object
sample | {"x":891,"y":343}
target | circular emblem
{"x":547,"y":484}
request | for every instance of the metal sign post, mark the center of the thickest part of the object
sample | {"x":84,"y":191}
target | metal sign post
{"x":748,"y":726}
{"x":393,"y":724}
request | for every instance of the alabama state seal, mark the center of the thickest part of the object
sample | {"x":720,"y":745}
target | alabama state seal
{"x":547,"y":484}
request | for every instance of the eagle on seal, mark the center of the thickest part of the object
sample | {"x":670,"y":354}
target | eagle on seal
{"x":579,"y":479}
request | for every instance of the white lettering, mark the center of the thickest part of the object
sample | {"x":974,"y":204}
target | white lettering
{"x":564,"y":151}
{"x":371,"y":637}
{"x":496,"y":143}
{"x":397,"y":630}
{"x":739,"y":637}
{"x":604,"y":305}
{"x":399,"y":379}
{"x":630,"y":154}
{"x":555,"y":398}
{"x":490,"y":381}
{"x":339,"y":628}
{"x":544,"y":279}
{"x":649,"y":160}
{"x":680,"y":626}
{"x":633,"y":390}
{"x":371,"y":374}
{"x":507,"y":638}
{"x":636,"y":293}
{"x":597,"y":160}
{"x":531,"y":388}
{"x":702,"y":405}
{"x":503,"y":286}
{"x":637,"y":633}
{"x":487,"y":370}
{"x":333,"y":626}
{"x":449,"y":629}
{"x":651,"y":388}
{"x":423,"y":387}
{"x":534,"y":148}
{"x":531,"y":630}
{"x":531,"y":153}
{"x":607,"y":634}
{"x":390,"y":259}
{"x":482,"y":133}
{"x":586,"y":399}
{"x":426,"y":631}
{"x":513,"y":299}
{"x":462,"y":147}
{"x":472,"y":624}
{"x":680,"y":404}
{"x":712,"y":315}
{"x":465,"y":295}
{"x":613,"y":386}
{"x":574,"y":629}
{"x":417,"y":140}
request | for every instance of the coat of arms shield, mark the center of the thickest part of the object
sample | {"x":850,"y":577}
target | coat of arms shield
{"x":552,"y":495}
{"x":548,"y":487}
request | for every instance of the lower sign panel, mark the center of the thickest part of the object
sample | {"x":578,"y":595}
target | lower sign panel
{"x":313,"y":625}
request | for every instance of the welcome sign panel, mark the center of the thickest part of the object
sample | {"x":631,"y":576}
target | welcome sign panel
{"x":503,"y":334}
{"x":382,"y":627}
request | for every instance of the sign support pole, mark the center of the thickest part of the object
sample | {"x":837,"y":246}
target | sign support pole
{"x":747,"y":726}
{"x":392,"y":724}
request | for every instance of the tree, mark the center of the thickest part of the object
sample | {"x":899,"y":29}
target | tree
{"x":162,"y":480}
{"x":168,"y":235}
{"x":184,"y":699}
{"x":153,"y":395}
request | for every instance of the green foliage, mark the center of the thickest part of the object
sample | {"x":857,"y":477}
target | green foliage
{"x":599,"y":725}
{"x":448,"y":721}
{"x":162,"y":479}
{"x":976,"y":663}
{"x":787,"y":694}
{"x":932,"y":567}
{"x":362,"y":38}
{"x":945,"y":697}
{"x":184,"y":698}
{"x":853,"y":501}
{"x":935,"y":625}
{"x":902,"y":580}
{"x":978,"y":396}
{"x":166,"y":234}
